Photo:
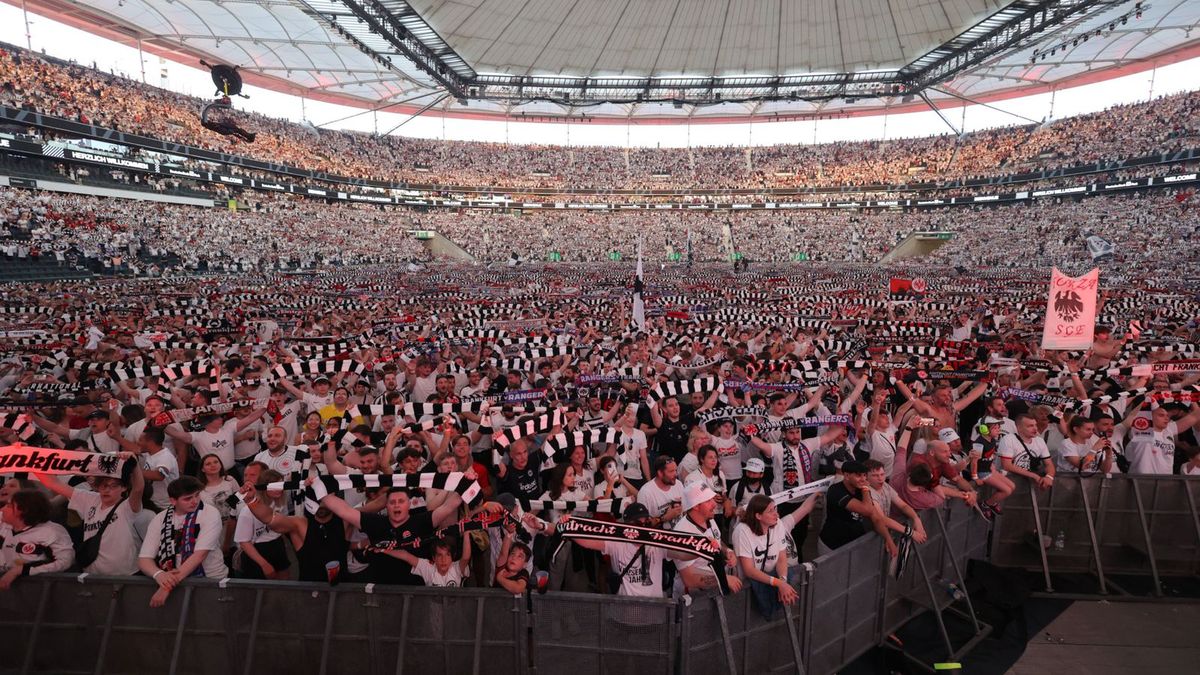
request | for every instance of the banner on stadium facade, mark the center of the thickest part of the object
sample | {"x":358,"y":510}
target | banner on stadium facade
{"x":1071,"y":311}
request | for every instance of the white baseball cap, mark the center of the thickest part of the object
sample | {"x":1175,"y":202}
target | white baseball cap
{"x":696,"y":494}
{"x":755,"y":465}
{"x":947,"y":435}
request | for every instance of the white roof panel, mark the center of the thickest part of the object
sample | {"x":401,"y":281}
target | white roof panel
{"x":294,"y":45}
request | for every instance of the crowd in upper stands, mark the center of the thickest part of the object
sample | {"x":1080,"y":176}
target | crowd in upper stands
{"x":79,"y":93}
{"x":266,"y":231}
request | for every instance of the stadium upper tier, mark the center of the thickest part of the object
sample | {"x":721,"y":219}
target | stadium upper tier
{"x":1170,"y":123}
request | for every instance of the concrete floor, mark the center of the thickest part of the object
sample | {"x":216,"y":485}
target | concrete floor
{"x":1102,"y":638}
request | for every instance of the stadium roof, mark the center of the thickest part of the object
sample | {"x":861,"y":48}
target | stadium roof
{"x":652,"y":59}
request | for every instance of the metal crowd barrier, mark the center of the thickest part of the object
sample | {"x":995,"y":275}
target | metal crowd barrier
{"x":63,"y":623}
{"x":1103,"y":526}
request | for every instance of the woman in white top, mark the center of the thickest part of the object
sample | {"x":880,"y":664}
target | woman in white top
{"x":218,"y":488}
{"x":709,"y":474}
{"x":585,"y":469}
{"x":1078,"y":452}
{"x":561,"y":487}
{"x":729,"y":450}
{"x":1192,"y":466}
{"x":633,"y":447}
{"x":610,"y":484}
{"x":697,"y":437}
{"x":758,"y":541}
{"x":565,"y":572}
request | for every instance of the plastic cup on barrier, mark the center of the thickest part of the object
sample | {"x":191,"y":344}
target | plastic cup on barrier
{"x":333,"y":570}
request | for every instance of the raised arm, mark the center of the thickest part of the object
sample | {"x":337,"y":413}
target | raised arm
{"x":1189,"y":420}
{"x":253,"y":417}
{"x":970,"y":397}
{"x":922,"y":407}
{"x":175,"y":430}
{"x":342,"y":510}
{"x":855,"y":394}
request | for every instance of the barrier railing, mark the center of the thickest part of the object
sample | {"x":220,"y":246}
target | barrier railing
{"x":1102,"y":526}
{"x":61,"y":623}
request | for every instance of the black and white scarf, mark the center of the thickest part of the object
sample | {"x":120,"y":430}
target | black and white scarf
{"x":587,"y":528}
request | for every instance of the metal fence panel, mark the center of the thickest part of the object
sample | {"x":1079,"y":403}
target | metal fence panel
{"x":1133,"y":516}
{"x":588,"y":634}
{"x":845,"y":590}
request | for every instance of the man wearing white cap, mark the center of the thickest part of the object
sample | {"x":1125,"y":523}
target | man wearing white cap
{"x":952,"y":440}
{"x":699,"y":505}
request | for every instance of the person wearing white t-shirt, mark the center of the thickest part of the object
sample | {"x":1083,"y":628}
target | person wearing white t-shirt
{"x":443,"y":571}
{"x":153,"y":407}
{"x":217,"y":437}
{"x":107,"y":509}
{"x":729,"y":450}
{"x":632,"y":450}
{"x":638,"y":567}
{"x":282,"y":413}
{"x":663,"y":496}
{"x":610,"y":484}
{"x":1151,"y":445}
{"x":318,"y":398}
{"x":159,"y":466}
{"x":1081,"y":451}
{"x":263,"y":553}
{"x":194,"y":544}
{"x":1192,"y":466}
{"x":96,"y":435}
{"x":695,"y":575}
{"x":1021,"y":453}
{"x":759,"y":543}
{"x":279,"y":456}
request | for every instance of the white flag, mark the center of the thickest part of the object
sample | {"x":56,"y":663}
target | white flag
{"x":639,"y":306}
{"x":1071,"y":311}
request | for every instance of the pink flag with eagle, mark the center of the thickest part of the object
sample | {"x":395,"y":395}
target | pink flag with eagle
{"x":1071,"y":311}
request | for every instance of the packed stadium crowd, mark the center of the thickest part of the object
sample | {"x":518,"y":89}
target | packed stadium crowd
{"x":466,"y":426}
{"x":365,"y":418}
{"x":75,"y":92}
{"x":266,"y":232}
{"x":272,"y":232}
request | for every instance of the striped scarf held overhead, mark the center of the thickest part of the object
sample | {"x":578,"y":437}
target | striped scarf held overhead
{"x":530,"y":427}
{"x":20,"y":424}
{"x":672,"y":389}
{"x":585,"y":438}
{"x":613,"y":507}
{"x":318,"y":367}
{"x":455,"y":481}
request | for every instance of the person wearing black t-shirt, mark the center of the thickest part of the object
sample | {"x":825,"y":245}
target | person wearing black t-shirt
{"x":671,"y":423}
{"x":520,"y":476}
{"x":396,"y":527}
{"x":849,"y":512}
{"x":318,"y":539}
